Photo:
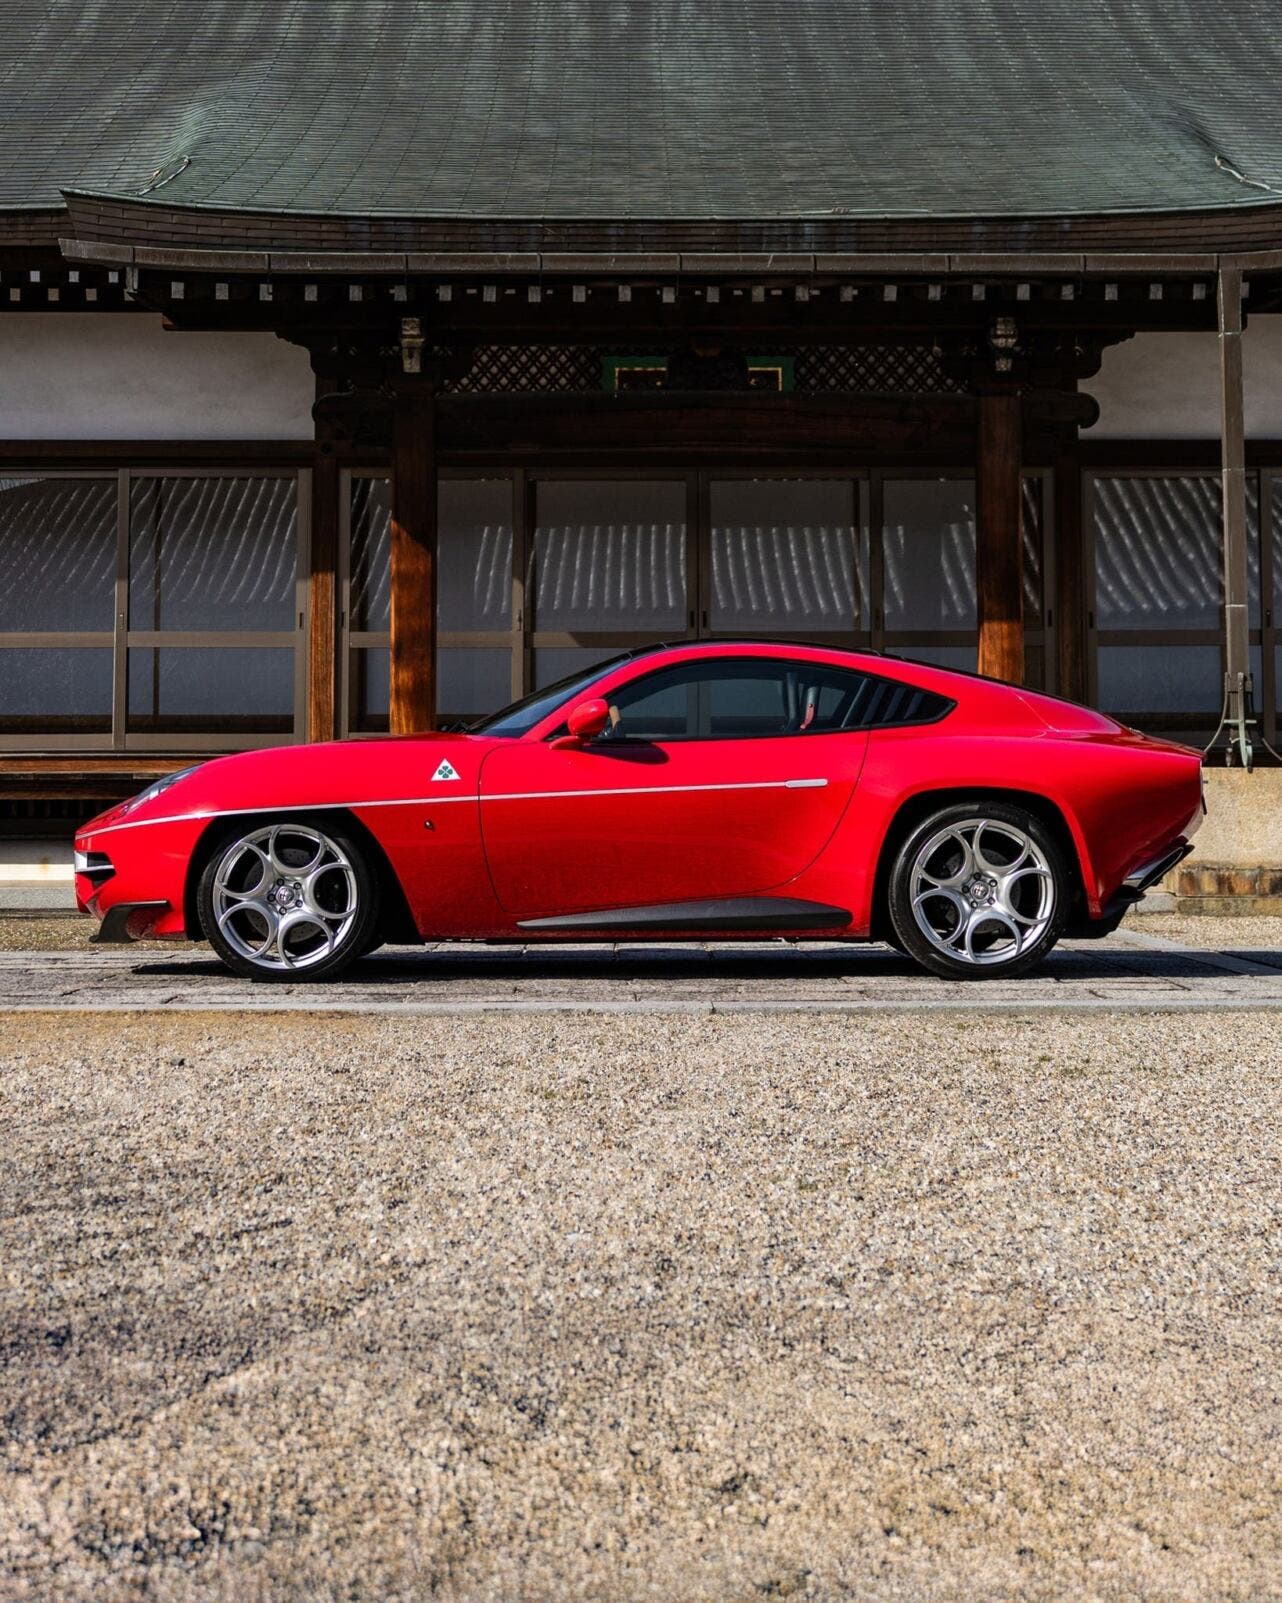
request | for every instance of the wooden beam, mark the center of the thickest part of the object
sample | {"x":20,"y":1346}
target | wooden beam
{"x":322,"y":621}
{"x":678,"y":426}
{"x":81,"y":776}
{"x":412,"y":705}
{"x":646,"y":317}
{"x":1071,"y":589}
{"x":266,"y":454}
{"x":999,"y":555}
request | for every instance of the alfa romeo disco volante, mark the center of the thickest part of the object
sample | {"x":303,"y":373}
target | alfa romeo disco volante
{"x":684,"y":792}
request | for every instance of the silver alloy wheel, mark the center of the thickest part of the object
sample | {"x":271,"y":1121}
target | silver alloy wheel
{"x":982,"y":891}
{"x":285,"y":896}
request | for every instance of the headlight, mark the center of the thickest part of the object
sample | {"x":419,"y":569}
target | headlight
{"x":158,"y":789}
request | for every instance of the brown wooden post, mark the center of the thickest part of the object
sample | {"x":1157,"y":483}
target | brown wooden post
{"x":999,"y":555}
{"x":412,"y":704}
{"x":322,"y":635}
{"x":1071,"y":588}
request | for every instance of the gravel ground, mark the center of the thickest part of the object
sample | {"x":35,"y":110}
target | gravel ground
{"x":640,"y":1308}
{"x":1254,"y":934}
{"x":18,"y":934}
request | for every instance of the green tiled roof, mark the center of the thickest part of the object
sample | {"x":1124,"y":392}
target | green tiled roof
{"x":656,"y":109}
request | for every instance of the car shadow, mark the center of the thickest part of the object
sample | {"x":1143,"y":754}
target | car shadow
{"x":409,"y":965}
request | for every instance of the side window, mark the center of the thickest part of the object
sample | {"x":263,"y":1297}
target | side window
{"x":757,"y":697}
{"x":662,"y":706}
{"x":886,"y":703}
{"x":705,"y":701}
{"x":748,"y":702}
{"x":841,"y":698}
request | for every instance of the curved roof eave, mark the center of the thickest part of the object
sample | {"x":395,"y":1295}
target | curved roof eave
{"x":154,"y":224}
{"x":834,"y":214}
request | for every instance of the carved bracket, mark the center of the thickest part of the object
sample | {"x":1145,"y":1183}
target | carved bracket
{"x":360,"y":377}
{"x":1006,"y":355}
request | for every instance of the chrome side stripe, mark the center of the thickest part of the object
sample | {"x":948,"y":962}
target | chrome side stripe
{"x":279,"y":807}
{"x":473,"y":796}
{"x":651,"y":790}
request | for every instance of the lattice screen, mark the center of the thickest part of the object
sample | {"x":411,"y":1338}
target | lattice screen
{"x":872,"y":370}
{"x":500,"y":369}
{"x":819,"y":369}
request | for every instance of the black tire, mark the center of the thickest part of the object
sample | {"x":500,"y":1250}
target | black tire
{"x":973,"y":914}
{"x":318,"y":893}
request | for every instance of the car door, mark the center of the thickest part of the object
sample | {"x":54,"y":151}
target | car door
{"x":709,"y":784}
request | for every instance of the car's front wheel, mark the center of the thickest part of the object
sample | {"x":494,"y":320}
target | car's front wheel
{"x":286,"y":899}
{"x":979,"y":890}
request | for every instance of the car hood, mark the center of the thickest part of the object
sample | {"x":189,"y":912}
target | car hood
{"x":346,"y":773}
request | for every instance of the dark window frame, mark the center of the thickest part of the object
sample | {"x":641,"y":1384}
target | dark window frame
{"x":527,"y":636}
{"x":124,"y":637}
{"x":1112,"y":460}
{"x":946,"y":704}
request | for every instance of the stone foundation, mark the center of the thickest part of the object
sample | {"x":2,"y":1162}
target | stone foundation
{"x":1236,"y":863}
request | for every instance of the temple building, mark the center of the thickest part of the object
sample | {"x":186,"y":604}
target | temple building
{"x":363,"y":366}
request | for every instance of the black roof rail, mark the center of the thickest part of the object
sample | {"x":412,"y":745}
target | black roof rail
{"x":752,"y":640}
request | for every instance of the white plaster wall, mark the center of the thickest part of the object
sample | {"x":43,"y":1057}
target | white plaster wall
{"x":1167,"y":386}
{"x":122,"y":376}
{"x":115,"y":376}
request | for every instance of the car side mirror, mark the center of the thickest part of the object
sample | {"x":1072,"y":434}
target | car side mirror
{"x":585,"y":722}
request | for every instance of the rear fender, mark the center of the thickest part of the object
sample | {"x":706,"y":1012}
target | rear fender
{"x":912,"y":809}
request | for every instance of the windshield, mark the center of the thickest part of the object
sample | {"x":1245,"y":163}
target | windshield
{"x":521,"y":716}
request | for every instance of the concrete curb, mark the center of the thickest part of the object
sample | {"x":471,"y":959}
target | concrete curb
{"x":37,"y":900}
{"x":1006,"y":1009}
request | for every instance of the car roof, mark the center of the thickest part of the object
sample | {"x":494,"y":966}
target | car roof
{"x":754,"y":640}
{"x":890,"y":661}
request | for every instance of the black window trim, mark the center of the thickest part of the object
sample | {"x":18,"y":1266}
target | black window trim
{"x":948,"y":705}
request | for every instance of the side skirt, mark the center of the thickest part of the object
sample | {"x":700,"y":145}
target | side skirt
{"x":721,"y":913}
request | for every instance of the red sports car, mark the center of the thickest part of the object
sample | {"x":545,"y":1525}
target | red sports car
{"x":746,"y":788}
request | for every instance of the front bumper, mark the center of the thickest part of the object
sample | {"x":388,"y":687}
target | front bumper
{"x":129,"y":921}
{"x":131,"y":875}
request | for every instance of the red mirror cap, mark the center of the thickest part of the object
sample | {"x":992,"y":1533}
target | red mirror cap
{"x":588,"y":719}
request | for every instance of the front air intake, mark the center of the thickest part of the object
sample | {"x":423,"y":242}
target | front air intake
{"x":96,"y":866}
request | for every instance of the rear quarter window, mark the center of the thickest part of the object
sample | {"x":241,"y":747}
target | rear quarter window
{"x":887,"y":704}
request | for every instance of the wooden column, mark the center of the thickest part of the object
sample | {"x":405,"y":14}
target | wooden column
{"x":999,"y":555}
{"x":1071,"y":588}
{"x":413,"y":655}
{"x":322,"y":623}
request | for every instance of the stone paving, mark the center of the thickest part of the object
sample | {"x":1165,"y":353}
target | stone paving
{"x":1132,"y":969}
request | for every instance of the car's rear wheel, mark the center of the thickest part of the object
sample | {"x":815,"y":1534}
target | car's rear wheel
{"x":288,"y":899}
{"x":979,"y":890}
